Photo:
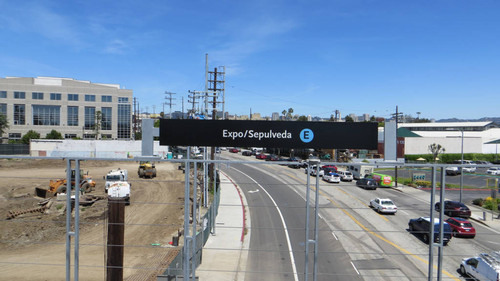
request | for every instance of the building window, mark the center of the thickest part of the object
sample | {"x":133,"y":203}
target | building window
{"x":70,"y":136}
{"x":106,"y":136}
{"x":55,"y":96}
{"x":14,"y":136}
{"x":46,"y":115}
{"x":106,"y":98}
{"x":73,"y":97}
{"x":89,"y":97}
{"x":37,"y":96}
{"x":89,"y":118}
{"x":3,"y":94}
{"x":89,"y":136}
{"x":122,"y":100}
{"x":106,"y":118}
{"x":19,"y":95}
{"x":123,"y":121}
{"x":19,"y":114}
{"x":72,"y":115}
{"x":3,"y":109}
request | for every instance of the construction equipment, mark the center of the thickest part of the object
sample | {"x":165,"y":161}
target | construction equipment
{"x":146,"y":169}
{"x":59,"y":186}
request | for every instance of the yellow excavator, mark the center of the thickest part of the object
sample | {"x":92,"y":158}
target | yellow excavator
{"x":60,"y":186}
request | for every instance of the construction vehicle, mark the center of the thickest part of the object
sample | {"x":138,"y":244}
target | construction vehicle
{"x":60,"y":186}
{"x":120,"y":189}
{"x":146,"y":169}
{"x":115,"y":176}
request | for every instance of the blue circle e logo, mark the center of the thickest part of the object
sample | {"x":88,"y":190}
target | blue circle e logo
{"x":306,"y":135}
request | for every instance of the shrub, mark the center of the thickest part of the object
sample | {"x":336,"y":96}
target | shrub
{"x":478,"y":201}
{"x":491,"y":203}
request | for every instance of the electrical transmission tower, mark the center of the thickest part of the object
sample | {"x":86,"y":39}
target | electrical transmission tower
{"x":169,"y":103}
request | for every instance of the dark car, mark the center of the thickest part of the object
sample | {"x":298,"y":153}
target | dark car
{"x":296,"y":163}
{"x":246,"y":153}
{"x":454,"y":209}
{"x":422,"y":225}
{"x":272,"y":157}
{"x":461,"y":227}
{"x":367,"y":183}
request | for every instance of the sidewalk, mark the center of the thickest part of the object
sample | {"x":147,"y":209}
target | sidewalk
{"x":478,"y":214}
{"x":225,"y":253}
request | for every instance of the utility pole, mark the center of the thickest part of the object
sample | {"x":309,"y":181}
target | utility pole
{"x":169,"y":99}
{"x":396,"y":116}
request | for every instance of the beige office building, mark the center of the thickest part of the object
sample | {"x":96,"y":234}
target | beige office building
{"x":76,"y":109}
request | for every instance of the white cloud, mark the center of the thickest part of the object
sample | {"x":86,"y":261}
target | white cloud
{"x":116,"y":46}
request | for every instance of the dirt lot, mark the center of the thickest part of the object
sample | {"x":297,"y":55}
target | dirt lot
{"x":32,"y":246}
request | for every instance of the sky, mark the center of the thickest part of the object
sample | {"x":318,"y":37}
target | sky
{"x":440,"y":58}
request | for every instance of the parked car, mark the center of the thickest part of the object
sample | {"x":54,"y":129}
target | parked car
{"x":493,"y":171}
{"x":482,"y":162}
{"x":272,"y":157}
{"x":461,"y":227}
{"x":331,"y":177}
{"x":345,"y":175}
{"x":453,"y":171}
{"x":383,"y":205}
{"x":246,"y":153}
{"x":297,"y":162}
{"x":454,"y":209}
{"x":483,"y":267}
{"x":421,"y":226}
{"x":367,"y":183}
{"x":261,"y":156}
{"x":233,"y":150}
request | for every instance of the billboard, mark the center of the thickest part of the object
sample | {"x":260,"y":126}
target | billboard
{"x":291,"y":134}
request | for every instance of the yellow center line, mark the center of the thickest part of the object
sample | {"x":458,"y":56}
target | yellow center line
{"x":373,"y":233}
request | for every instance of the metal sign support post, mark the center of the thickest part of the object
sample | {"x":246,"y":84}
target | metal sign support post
{"x":76,"y":232}
{"x":441,"y":224}
{"x":431,"y":247}
{"x":195,"y":199}
{"x":187,"y":237}
{"x":308,"y":199}
{"x":316,"y":219}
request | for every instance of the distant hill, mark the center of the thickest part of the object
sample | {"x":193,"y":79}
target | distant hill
{"x":494,"y":119}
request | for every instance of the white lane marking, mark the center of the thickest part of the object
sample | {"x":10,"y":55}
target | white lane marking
{"x":253,"y":191}
{"x":355,"y":268}
{"x":335,"y":236}
{"x":404,"y":212}
{"x":292,"y":260}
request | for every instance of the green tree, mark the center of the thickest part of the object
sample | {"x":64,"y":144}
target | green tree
{"x":436,"y":149}
{"x":284,"y":114}
{"x":302,"y":118}
{"x":289,"y":113}
{"x":349,"y":119}
{"x":4,"y":124}
{"x":97,"y":126}
{"x":30,"y":135}
{"x":54,"y":135}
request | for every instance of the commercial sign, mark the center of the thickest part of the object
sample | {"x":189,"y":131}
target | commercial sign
{"x":292,"y":134}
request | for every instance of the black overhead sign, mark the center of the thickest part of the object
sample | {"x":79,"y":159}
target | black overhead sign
{"x":292,"y":134}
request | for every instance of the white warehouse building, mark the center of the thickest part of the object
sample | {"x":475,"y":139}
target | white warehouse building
{"x":69,"y":106}
{"x":475,"y":137}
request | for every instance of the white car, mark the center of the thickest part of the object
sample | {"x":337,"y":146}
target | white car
{"x":345,"y":175}
{"x":493,"y":171}
{"x":383,"y":205}
{"x":332,"y":178}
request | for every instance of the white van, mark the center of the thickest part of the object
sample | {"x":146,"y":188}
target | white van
{"x":483,"y":267}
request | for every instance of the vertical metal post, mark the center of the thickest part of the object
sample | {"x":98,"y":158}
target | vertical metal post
{"x":462,"y":169}
{"x":441,"y":224}
{"x":77,"y":219}
{"x":316,"y":219}
{"x":186,"y":215}
{"x":431,"y":245}
{"x":308,"y":198}
{"x":205,"y":177}
{"x":68,"y":219}
{"x":195,"y":199}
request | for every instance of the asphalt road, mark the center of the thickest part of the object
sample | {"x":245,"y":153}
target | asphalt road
{"x":354,"y":242}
